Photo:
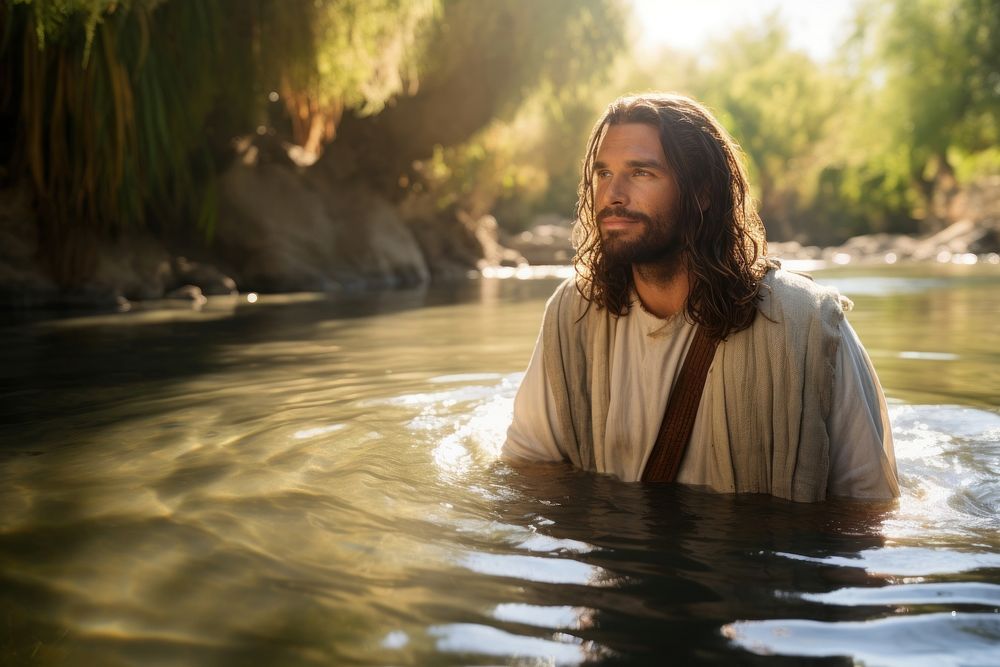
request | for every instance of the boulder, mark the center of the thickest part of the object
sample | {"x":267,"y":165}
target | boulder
{"x":487,"y":233}
{"x":210,"y":280}
{"x":457,"y":244}
{"x":963,"y":237}
{"x":282,"y":230}
{"x":190,"y":293}
{"x":135,"y":265}
{"x":548,"y":241}
{"x":448,"y":248}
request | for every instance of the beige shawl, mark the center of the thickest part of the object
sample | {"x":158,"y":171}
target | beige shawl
{"x":771,"y":384}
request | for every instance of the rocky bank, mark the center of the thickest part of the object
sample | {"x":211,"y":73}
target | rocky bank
{"x":285,"y":228}
{"x":973,"y":237}
{"x":281,"y":228}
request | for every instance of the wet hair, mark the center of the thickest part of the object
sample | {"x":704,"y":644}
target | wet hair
{"x":723,"y":242}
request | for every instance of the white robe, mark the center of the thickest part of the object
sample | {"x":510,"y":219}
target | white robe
{"x":647,"y":350}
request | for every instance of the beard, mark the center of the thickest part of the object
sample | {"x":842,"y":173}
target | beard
{"x":657,"y":244}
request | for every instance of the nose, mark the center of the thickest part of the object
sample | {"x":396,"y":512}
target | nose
{"x":614,"y":193}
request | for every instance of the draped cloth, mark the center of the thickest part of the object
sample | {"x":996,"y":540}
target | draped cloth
{"x":771,"y":387}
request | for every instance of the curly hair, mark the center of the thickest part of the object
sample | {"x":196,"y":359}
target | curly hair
{"x":724,"y":246}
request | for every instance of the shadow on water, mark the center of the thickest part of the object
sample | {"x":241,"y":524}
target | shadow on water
{"x":655,"y":574}
{"x":56,"y":368}
{"x":609,"y":573}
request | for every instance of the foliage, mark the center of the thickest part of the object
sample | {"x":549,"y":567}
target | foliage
{"x":122,"y":111}
{"x":496,"y":85}
{"x":936,"y":64}
{"x":54,"y":18}
{"x":866,"y":142}
{"x":328,"y":57}
{"x":107,"y":116}
{"x":123,"y":107}
{"x":780,"y":105}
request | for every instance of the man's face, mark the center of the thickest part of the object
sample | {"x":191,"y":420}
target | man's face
{"x":635,"y":196}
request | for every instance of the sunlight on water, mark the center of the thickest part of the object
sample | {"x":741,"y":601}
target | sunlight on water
{"x":556,"y":618}
{"x":529,"y":272}
{"x":534,"y":568}
{"x":319,"y":430}
{"x":933,"y":356}
{"x":882,"y":286}
{"x":907,"y":562}
{"x":947,"y":458}
{"x":478,"y":639}
{"x":924,"y":640}
{"x":912,"y":594}
{"x":477,"y":433}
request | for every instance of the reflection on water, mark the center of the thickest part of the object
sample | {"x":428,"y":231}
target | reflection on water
{"x":313,"y":481}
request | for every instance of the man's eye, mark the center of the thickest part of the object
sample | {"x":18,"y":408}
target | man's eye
{"x":641,"y":172}
{"x":602,"y":173}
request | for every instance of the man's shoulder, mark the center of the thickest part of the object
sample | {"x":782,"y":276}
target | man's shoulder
{"x":570,"y":314}
{"x":788,"y":295}
{"x":568,"y":300}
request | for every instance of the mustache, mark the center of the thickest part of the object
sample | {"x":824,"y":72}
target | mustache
{"x":622,"y":212}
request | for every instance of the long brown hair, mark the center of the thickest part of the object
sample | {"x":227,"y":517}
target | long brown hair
{"x":724,"y":244}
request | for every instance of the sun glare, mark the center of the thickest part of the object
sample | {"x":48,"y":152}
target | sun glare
{"x":815,"y":27}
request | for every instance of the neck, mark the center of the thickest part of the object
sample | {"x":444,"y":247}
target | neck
{"x":662,"y":288}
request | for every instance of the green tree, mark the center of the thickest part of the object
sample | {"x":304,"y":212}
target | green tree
{"x":481,"y":62}
{"x":125,"y":110}
{"x":936,"y":65}
{"x":779,"y":104}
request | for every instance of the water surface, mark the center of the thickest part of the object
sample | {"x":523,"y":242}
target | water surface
{"x":310,"y":480}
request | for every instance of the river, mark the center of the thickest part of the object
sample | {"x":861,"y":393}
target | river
{"x":311,"y":480}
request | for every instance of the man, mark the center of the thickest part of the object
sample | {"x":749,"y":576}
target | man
{"x":671,"y":257}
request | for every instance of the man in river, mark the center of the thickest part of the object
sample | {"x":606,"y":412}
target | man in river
{"x":679,"y":351}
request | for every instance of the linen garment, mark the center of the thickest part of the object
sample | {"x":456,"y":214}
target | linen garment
{"x":791,"y":406}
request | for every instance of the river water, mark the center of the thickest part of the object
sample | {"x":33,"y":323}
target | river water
{"x":311,"y":480}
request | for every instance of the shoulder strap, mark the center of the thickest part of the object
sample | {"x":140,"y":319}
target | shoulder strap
{"x":682,"y":407}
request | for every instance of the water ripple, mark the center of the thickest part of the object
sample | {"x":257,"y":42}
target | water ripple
{"x":939,"y":594}
{"x":926,"y":640}
{"x":906,"y":561}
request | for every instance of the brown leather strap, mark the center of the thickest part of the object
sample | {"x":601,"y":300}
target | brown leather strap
{"x":682,"y":407}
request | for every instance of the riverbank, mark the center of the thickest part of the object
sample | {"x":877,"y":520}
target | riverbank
{"x":281,"y":228}
{"x":964,"y":242}
{"x":284,"y":229}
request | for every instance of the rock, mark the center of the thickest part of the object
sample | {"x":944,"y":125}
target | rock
{"x":209,"y":279}
{"x":375,"y":248}
{"x":548,"y":241}
{"x":190,"y":293}
{"x":449,"y":256}
{"x":487,"y":234}
{"x":456,"y":244}
{"x":89,"y":297}
{"x":135,"y":265}
{"x":281,"y":230}
{"x":988,"y":241}
{"x":963,"y":237}
{"x":794,"y":250}
{"x":873,"y":247}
